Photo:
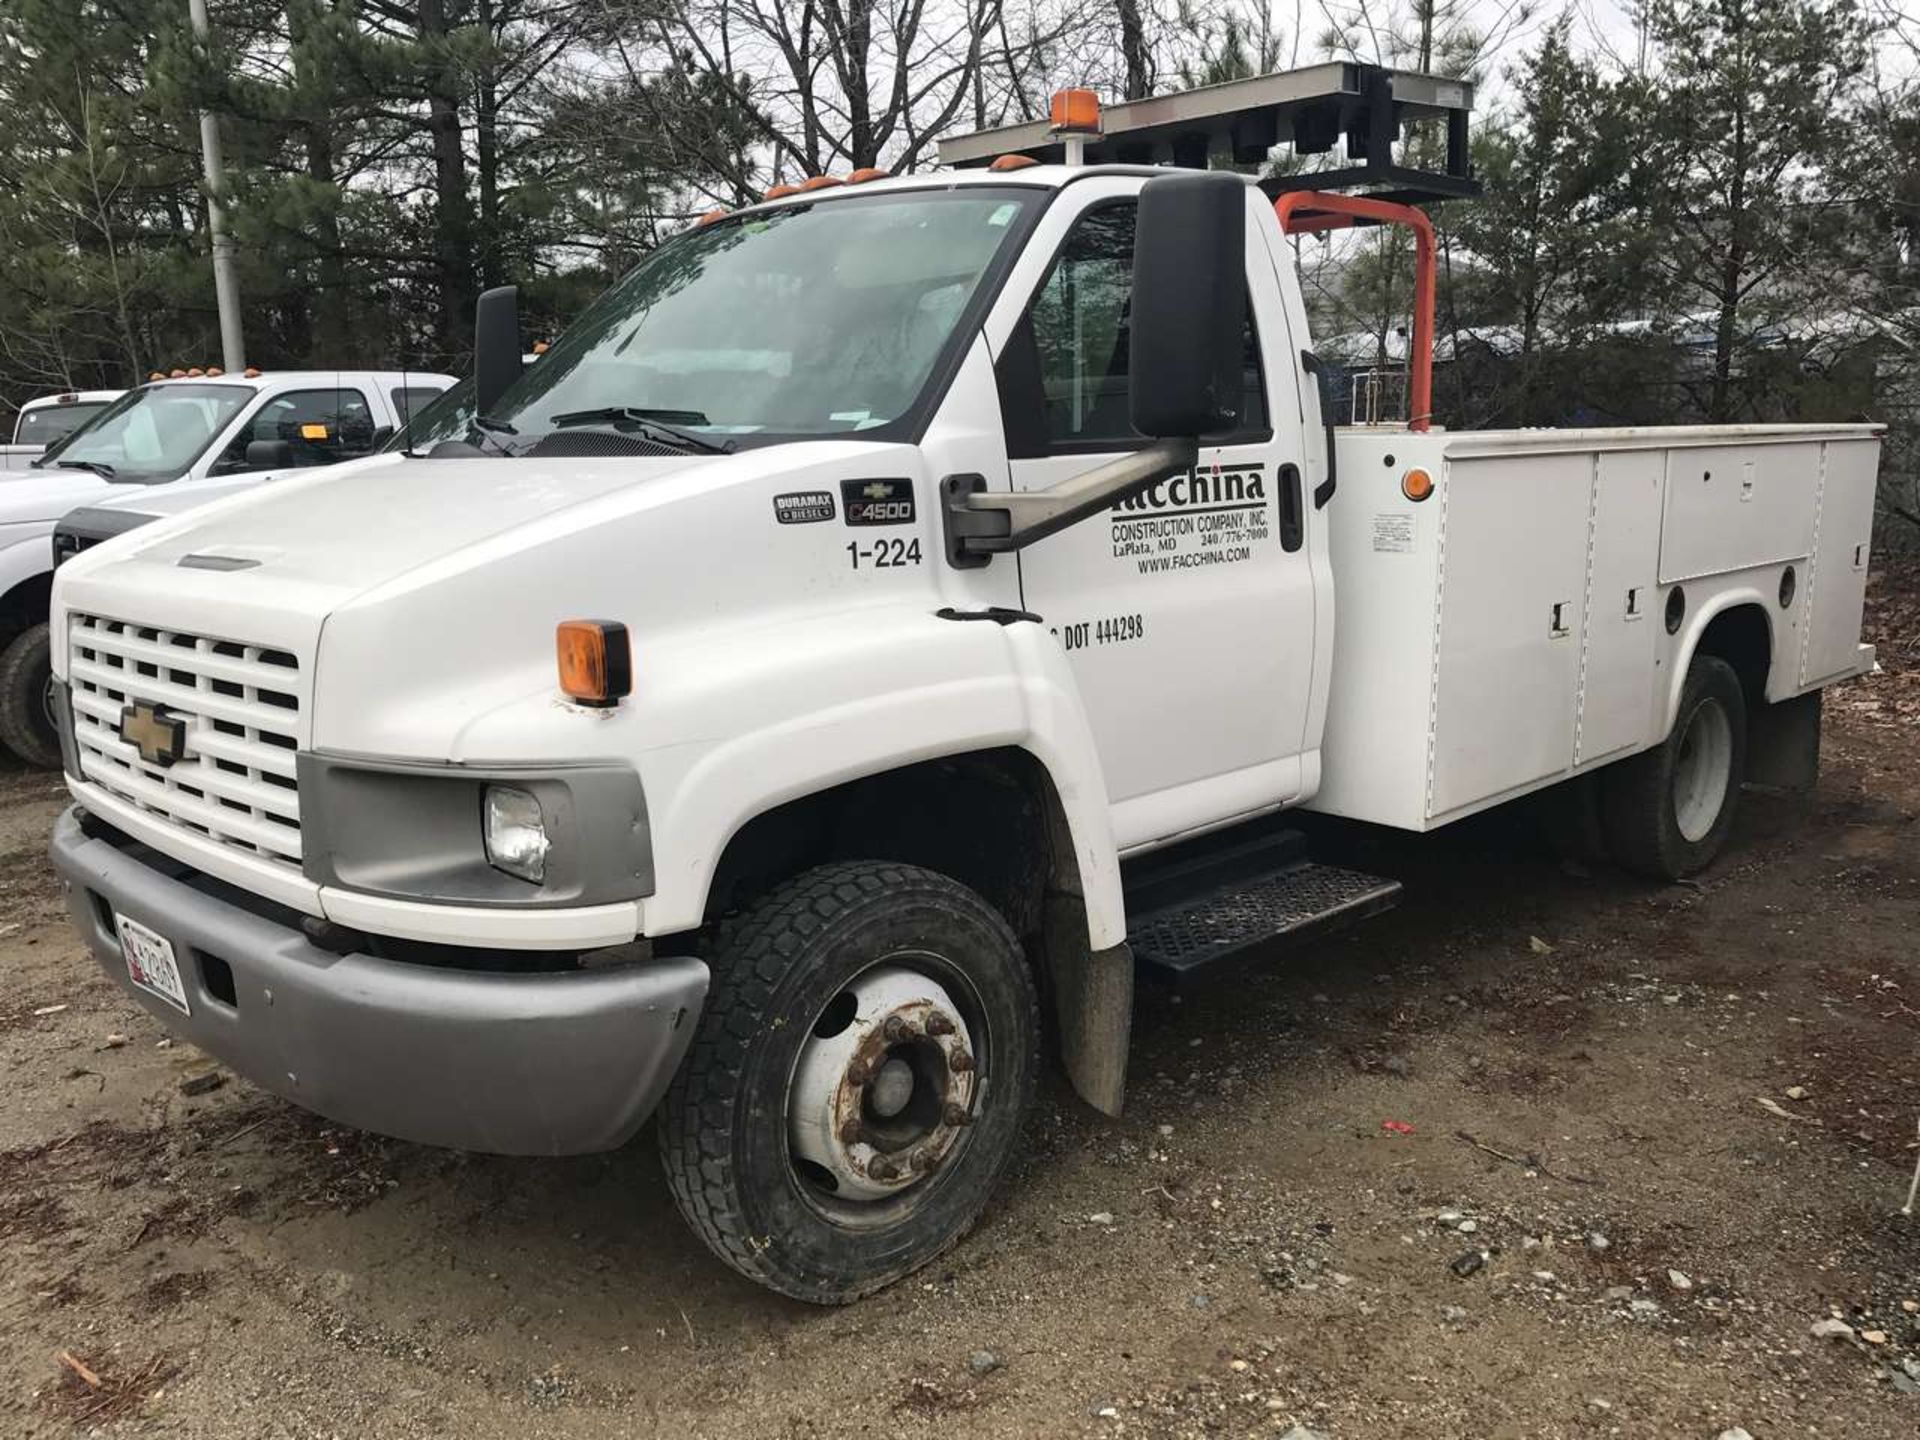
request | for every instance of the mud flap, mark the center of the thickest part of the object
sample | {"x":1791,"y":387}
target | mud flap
{"x":1783,"y":745}
{"x":1093,"y":1005}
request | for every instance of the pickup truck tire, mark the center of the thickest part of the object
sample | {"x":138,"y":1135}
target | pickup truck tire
{"x":858,"y":1082}
{"x":1667,"y":810}
{"x":26,"y":710}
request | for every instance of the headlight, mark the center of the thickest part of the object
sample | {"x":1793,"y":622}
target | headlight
{"x":516,"y":833}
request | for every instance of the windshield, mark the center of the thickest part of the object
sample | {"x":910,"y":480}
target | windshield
{"x":45,"y":424}
{"x":816,"y":319}
{"x":152,"y":433}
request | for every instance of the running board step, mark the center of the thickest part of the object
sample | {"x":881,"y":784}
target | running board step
{"x":1252,"y":919}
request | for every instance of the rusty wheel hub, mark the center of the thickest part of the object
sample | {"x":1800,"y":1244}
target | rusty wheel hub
{"x":884,"y":1086}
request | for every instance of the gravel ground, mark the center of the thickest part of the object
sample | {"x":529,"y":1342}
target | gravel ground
{"x":1656,"y":1136}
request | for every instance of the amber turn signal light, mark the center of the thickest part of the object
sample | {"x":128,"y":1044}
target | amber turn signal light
{"x":596,"y":661}
{"x":1416,"y":484}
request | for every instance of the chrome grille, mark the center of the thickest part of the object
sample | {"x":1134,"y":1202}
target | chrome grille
{"x":241,"y":707}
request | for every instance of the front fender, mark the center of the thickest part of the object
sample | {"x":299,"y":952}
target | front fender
{"x":26,"y":556}
{"x":785,"y":713}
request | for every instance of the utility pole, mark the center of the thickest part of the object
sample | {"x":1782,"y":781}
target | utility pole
{"x":226,"y":285}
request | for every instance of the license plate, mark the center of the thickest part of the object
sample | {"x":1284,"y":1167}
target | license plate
{"x":151,"y":964}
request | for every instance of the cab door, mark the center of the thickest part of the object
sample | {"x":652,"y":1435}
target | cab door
{"x":1187,"y":613}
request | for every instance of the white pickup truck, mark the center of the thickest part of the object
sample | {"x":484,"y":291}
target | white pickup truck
{"x":49,"y":419}
{"x":200,"y":427}
{"x":891,"y":609}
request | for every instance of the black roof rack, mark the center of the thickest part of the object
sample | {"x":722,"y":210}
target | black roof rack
{"x":1239,"y":122}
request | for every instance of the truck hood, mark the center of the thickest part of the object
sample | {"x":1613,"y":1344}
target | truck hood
{"x":429,"y":588}
{"x":171,"y":499}
{"x":46,"y":494}
{"x":327,"y":535}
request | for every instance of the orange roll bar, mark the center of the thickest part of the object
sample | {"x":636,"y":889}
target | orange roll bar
{"x":1307,"y":212}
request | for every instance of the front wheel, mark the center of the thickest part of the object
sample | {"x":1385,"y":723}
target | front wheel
{"x":26,"y":699}
{"x":858,"y":1081}
{"x":1668,"y":810}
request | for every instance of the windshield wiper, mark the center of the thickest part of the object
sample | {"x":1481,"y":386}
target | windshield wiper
{"x":98,"y":467}
{"x":655,"y":424}
{"x":489,"y":428}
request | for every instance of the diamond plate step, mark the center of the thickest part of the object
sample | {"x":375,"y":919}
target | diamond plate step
{"x":1253,"y":918}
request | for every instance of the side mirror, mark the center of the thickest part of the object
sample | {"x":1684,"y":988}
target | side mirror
{"x":1189,"y":305}
{"x":496,"y":345}
{"x":269,"y":455}
{"x":381,"y":435}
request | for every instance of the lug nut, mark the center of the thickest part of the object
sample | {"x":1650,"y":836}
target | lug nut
{"x":895,"y":1030}
{"x":858,"y":1073}
{"x":849,"y":1132}
{"x":883,"y":1169}
{"x":938,"y":1023}
{"x":961,"y":1062}
{"x":957,"y":1114}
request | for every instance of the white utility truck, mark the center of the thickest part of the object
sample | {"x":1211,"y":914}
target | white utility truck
{"x":890,"y":609}
{"x":49,"y":419}
{"x":199,"y":426}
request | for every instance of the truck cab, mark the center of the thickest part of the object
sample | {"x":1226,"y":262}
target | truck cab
{"x":890,"y":604}
{"x":207,"y":428}
{"x":48,"y":419}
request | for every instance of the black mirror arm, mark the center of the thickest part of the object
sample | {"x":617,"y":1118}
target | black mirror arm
{"x":981,"y":525}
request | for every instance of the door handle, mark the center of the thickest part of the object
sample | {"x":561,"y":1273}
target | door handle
{"x":1292,"y":523}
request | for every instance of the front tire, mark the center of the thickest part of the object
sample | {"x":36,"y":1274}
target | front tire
{"x":26,"y":699}
{"x":1668,"y":810}
{"x":858,"y":1082}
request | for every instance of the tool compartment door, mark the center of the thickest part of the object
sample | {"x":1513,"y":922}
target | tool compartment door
{"x":1729,"y":507}
{"x":1839,"y":578}
{"x":1622,"y":623}
{"x":1512,"y":587}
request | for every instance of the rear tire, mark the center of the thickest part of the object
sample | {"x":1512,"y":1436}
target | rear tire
{"x":1668,"y":810}
{"x":26,"y":699}
{"x":858,"y":1082}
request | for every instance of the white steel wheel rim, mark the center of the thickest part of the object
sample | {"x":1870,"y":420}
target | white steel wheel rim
{"x":883,"y":1088}
{"x":1703,"y":771}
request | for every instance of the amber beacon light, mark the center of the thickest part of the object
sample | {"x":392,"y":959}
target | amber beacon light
{"x":596,"y":661}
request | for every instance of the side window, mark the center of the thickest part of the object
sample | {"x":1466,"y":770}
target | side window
{"x":322,"y":427}
{"x":409,"y":400}
{"x":1064,"y":381}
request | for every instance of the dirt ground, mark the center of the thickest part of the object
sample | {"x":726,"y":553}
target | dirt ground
{"x":1665,"y":1130}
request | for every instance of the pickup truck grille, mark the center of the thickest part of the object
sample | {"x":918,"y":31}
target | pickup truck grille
{"x":240,"y":705}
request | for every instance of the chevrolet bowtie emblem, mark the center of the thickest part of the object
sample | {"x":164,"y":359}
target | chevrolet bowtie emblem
{"x":879,"y":490}
{"x":160,"y":738}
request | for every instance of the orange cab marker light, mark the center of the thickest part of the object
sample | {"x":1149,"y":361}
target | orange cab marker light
{"x":711,"y":216}
{"x":866,"y":173}
{"x":251,"y":373}
{"x":780,"y":192}
{"x":176,"y":374}
{"x":1004,"y":163}
{"x":157,"y":375}
{"x":215,"y":371}
{"x":1075,"y":110}
{"x":195,"y":371}
{"x":596,"y":661}
{"x":1416,"y":484}
{"x":820,"y":182}
{"x":540,"y":347}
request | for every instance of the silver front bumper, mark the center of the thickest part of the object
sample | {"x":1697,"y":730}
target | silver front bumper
{"x":515,"y":1064}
